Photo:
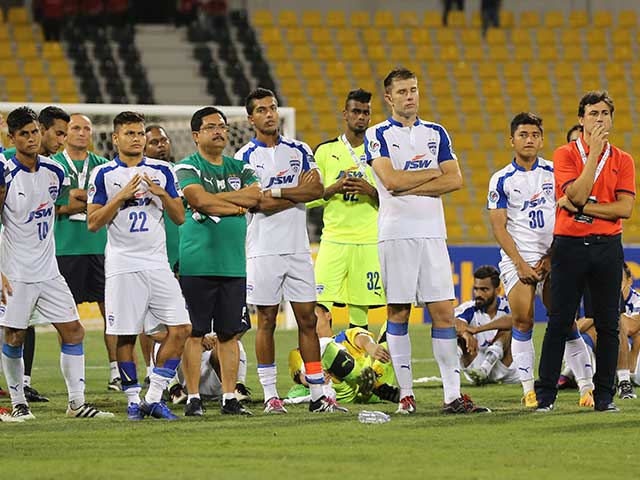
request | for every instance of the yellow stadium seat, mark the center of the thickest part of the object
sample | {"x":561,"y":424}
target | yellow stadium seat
{"x":271,"y":35}
{"x":262,"y":18}
{"x":345,"y":36}
{"x":59,"y":68}
{"x":23,"y":33}
{"x":622,"y":54}
{"x":474,"y":122}
{"x":40,"y":86}
{"x":456,"y":19}
{"x":33,"y":68}
{"x":567,"y":88}
{"x":496,"y":36}
{"x":598,"y":53}
{"x":634,"y":70}
{"x":596,"y":38}
{"x":293,"y":87}
{"x":311,"y":69}
{"x":486,"y":70}
{"x":360,"y":19}
{"x":311,"y":18}
{"x":463,"y":71}
{"x":476,"y":19}
{"x":602,"y":19}
{"x":432,"y":19}
{"x":621,"y":37}
{"x":400,"y":53}
{"x":18,"y":15}
{"x":571,"y":36}
{"x":301,"y":52}
{"x":4,"y":33}
{"x":573,"y":53}
{"x":492,"y":88}
{"x":473,"y":53}
{"x":464,"y":141}
{"x":321,"y":36}
{"x":335,"y":19}
{"x":470,"y":36}
{"x":506,"y":18}
{"x":495,"y":106}
{"x":627,"y":19}
{"x":446,"y":36}
{"x":544,"y":38}
{"x":497,"y":123}
{"x":360,"y":69}
{"x":326,"y":53}
{"x":65,"y":85}
{"x":449,"y":53}
{"x":376,"y":52}
{"x":408,"y":19}
{"x":372,"y":37}
{"x":512,"y":70}
{"x":489,"y":142}
{"x":27,"y":51}
{"x":520,"y":37}
{"x":548,"y":54}
{"x":541,"y":87}
{"x":71,"y":97}
{"x":467,"y":89}
{"x":553,"y":19}
{"x":288,"y":18}
{"x":578,"y":18}
{"x":396,"y":36}
{"x":276,"y":53}
{"x":441,"y":89}
{"x":563,"y":71}
{"x":296,"y":36}
{"x":420,"y":37}
{"x":384,"y":19}
{"x":52,"y":51}
{"x":529,"y":19}
{"x":425,"y":53}
{"x":351,"y":53}
{"x":499,"y":53}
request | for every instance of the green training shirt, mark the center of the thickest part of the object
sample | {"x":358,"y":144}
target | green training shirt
{"x":208,"y":248}
{"x":72,"y":236}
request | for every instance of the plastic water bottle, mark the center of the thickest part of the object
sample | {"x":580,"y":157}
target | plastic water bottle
{"x":375,"y":416}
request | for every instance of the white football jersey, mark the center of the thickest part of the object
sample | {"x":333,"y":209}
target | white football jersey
{"x":529,"y":197}
{"x":632,"y":303}
{"x":418,"y":147}
{"x":477,"y":317}
{"x":284,"y":232}
{"x":27,"y":248}
{"x":136,"y":238}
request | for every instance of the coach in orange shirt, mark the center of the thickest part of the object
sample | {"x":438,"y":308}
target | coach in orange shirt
{"x":595,"y":188}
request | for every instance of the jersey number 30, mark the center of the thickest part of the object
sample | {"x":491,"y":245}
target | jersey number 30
{"x":138,"y":222}
{"x":536,"y":219}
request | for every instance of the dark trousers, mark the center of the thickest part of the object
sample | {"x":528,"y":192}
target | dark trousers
{"x":595,"y":262}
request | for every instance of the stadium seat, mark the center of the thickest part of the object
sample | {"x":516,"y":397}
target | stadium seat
{"x":18,"y":16}
{"x":372,"y":37}
{"x":360,"y":19}
{"x":456,"y":19}
{"x":311,"y":18}
{"x":400,"y":53}
{"x":548,"y":53}
{"x":335,"y":19}
{"x":545,"y":38}
{"x":622,"y":54}
{"x":326,"y":53}
{"x":449,"y":53}
{"x":572,"y":53}
{"x":288,"y":18}
{"x":384,"y":19}
{"x":553,"y":19}
{"x":506,"y":19}
{"x":529,"y":19}
{"x":65,"y":86}
{"x":33,"y":68}
{"x":40,"y":86}
{"x":23,"y":33}
{"x":262,"y":18}
{"x":432,"y":19}
{"x":396,"y":37}
{"x":27,"y":51}
{"x":598,"y":53}
{"x":627,"y":19}
{"x":496,"y":36}
{"x":520,"y":37}
{"x":463,"y":70}
{"x":621,"y":37}
{"x":596,"y":38}
{"x":408,"y":19}
{"x":578,"y":18}
{"x":602,"y":19}
{"x":474,"y":53}
{"x":499,"y":53}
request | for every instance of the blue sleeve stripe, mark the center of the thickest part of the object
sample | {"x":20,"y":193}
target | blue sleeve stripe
{"x":384,"y":149}
{"x":445,"y":150}
{"x":170,"y":185}
{"x":467,"y":314}
{"x":246,"y":156}
{"x":55,"y":169}
{"x":100,"y":197}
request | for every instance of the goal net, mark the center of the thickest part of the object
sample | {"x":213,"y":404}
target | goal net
{"x":175,"y":119}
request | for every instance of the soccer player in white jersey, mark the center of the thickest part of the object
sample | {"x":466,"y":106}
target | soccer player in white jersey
{"x":28,"y":264}
{"x":491,"y":360}
{"x":414,"y":165}
{"x":279,"y":262}
{"x":129,"y":195}
{"x":521,"y":203}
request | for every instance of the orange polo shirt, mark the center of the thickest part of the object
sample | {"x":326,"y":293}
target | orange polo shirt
{"x":617,"y":177}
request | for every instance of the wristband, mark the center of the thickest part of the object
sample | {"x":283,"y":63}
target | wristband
{"x":276,"y":192}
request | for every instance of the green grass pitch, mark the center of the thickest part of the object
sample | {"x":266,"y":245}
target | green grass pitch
{"x":508,"y":443}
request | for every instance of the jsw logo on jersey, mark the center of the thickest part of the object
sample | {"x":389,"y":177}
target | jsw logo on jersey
{"x":42,"y":211}
{"x":137,"y":202}
{"x":534,"y":202}
{"x":417,"y":162}
{"x":351,"y":172}
{"x":281,"y":179}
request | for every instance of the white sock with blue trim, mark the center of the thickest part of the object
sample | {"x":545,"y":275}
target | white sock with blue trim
{"x":524,"y":356}
{"x":72,"y":366}
{"x":399,"y":345}
{"x":13,"y":367}
{"x":445,"y":346}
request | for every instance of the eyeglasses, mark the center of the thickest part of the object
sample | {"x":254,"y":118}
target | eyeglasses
{"x":212,"y":128}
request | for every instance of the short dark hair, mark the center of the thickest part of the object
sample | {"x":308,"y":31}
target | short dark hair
{"x":626,"y":270}
{"x":400,"y":73}
{"x":124,"y":118}
{"x":257,"y":94}
{"x":20,"y":117}
{"x":576,"y":127}
{"x":359,"y":95}
{"x":50,"y":114}
{"x":593,"y":97}
{"x":488,"y":271}
{"x":526,"y":118}
{"x":196,"y":119}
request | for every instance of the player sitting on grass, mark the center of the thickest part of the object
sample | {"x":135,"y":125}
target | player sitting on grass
{"x":487,"y":356}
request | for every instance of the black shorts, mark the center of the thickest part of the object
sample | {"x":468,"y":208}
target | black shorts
{"x":84,"y":275}
{"x":216,"y":303}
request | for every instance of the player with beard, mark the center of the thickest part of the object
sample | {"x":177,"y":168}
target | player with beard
{"x":488,"y":360}
{"x":347,"y":266}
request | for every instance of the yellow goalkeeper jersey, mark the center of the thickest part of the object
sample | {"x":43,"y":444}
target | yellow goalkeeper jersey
{"x":348,"y":218}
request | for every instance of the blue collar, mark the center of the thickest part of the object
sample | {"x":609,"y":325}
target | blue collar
{"x":521,"y":169}
{"x":262,"y":144}
{"x":22,"y":167}
{"x":626,"y":300}
{"x":398,"y":124}
{"x":120,"y":163}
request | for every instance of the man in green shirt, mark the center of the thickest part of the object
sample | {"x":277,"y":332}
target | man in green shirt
{"x":347,"y":266}
{"x":80,"y":253}
{"x":53,"y":129}
{"x":219,"y":190}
